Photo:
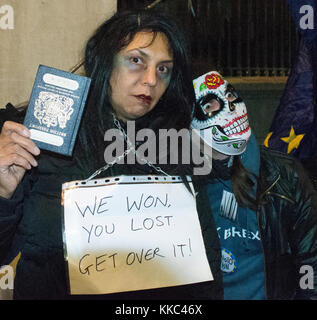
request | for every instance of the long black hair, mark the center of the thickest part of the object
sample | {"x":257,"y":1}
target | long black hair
{"x":172,"y":111}
{"x":243,"y":185}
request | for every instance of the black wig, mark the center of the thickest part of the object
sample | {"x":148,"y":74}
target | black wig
{"x":172,"y":111}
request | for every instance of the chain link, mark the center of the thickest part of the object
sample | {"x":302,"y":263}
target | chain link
{"x":126,"y":138}
{"x":109,"y":165}
{"x":125,"y":153}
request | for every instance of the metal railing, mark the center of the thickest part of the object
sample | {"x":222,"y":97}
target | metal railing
{"x":237,"y":37}
{"x":264,"y":39}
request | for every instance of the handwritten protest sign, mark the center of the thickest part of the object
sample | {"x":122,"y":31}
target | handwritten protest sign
{"x":132,"y":233}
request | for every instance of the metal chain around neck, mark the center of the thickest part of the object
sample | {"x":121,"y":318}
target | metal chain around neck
{"x":125,"y":153}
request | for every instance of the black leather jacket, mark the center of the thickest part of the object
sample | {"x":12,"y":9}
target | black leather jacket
{"x":287,"y":218}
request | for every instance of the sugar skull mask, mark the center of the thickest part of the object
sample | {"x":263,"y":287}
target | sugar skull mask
{"x":220,"y":115}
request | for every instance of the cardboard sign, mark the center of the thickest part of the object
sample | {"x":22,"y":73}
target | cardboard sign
{"x":132,"y":233}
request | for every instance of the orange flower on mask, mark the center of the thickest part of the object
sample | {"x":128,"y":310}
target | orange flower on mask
{"x":213,"y":81}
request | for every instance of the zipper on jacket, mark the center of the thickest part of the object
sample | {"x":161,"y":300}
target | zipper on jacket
{"x":280,"y":196}
{"x":270,"y":187}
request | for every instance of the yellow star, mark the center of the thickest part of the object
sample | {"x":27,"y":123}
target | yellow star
{"x":293,"y":140}
{"x":266,"y":141}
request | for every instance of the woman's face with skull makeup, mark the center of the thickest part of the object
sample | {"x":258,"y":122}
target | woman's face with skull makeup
{"x":220,"y":115}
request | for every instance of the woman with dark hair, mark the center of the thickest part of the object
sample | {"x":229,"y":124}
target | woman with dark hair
{"x":262,"y":202}
{"x":110,"y":38}
{"x":139,"y":70}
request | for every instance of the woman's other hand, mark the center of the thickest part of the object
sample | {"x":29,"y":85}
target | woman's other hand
{"x":17,"y":153}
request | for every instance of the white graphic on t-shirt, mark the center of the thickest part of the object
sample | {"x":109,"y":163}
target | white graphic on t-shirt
{"x":228,"y":261}
{"x":239,"y":233}
{"x":228,"y":206}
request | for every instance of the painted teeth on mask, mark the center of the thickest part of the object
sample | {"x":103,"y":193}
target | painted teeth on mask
{"x":237,"y":127}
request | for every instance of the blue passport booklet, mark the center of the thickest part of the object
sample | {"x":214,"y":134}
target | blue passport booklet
{"x":55,"y":109}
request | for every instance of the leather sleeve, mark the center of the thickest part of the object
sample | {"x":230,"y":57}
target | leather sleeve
{"x":304,"y":235}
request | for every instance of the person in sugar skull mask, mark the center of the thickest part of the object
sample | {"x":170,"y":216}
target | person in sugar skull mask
{"x":262,"y":202}
{"x":221,"y":116}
